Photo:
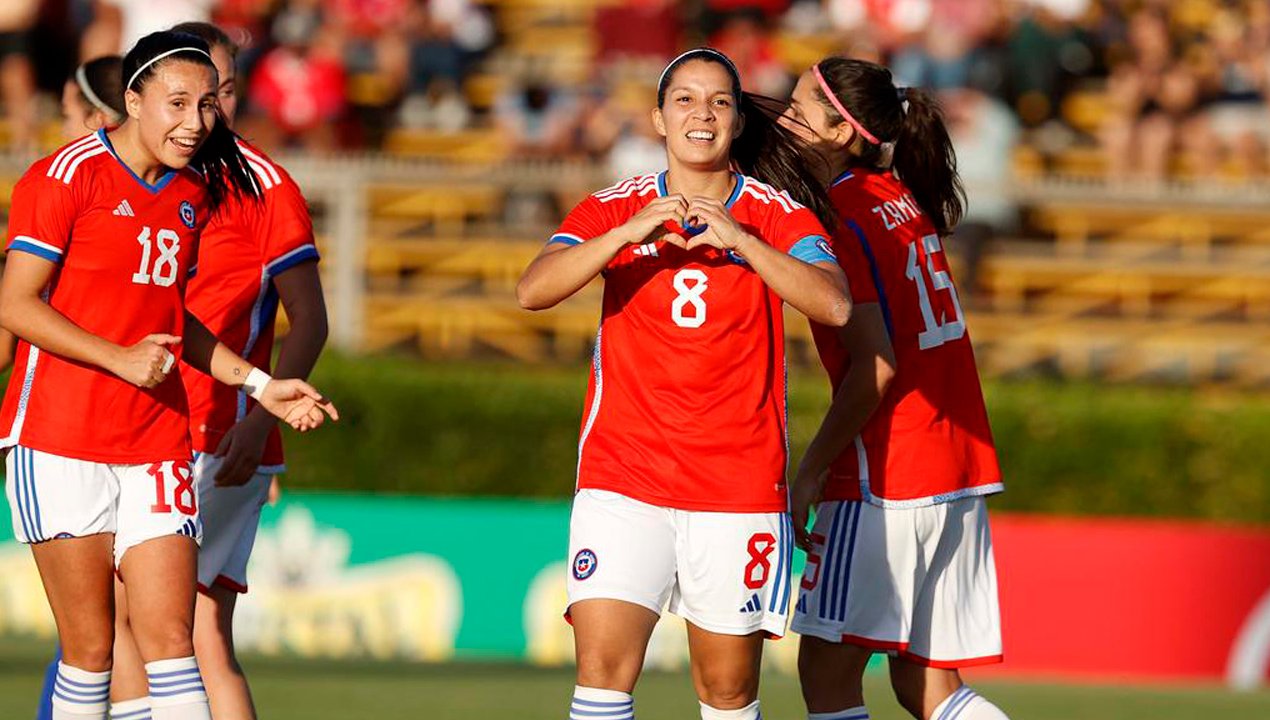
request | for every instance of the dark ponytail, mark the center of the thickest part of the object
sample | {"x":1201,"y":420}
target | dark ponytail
{"x":770,"y":153}
{"x":921,"y":152}
{"x":765,"y":150}
{"x":924,"y":160}
{"x":218,"y":160}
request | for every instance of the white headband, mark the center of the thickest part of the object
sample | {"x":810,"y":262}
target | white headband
{"x":81,"y":79}
{"x":705,"y":51}
{"x":160,"y":56}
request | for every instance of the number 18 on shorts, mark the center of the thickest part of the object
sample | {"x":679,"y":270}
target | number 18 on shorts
{"x":723,"y":572}
{"x":52,"y":497}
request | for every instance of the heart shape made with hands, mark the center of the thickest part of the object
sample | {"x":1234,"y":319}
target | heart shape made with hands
{"x":679,"y":235}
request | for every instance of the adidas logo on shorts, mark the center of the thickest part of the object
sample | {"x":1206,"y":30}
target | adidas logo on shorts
{"x":124,"y":210}
{"x":753,"y":605}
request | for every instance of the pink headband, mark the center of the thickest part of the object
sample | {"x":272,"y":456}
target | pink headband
{"x":815,"y":70}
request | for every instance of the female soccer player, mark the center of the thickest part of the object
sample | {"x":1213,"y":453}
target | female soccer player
{"x":251,"y":255}
{"x":92,"y":98}
{"x":900,"y":557}
{"x":98,"y":471}
{"x":681,"y":492}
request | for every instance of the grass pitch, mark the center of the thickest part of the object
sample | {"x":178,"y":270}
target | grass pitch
{"x":287,"y":689}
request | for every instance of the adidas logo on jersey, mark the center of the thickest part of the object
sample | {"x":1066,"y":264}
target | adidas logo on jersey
{"x":647,"y":250}
{"x":753,"y":605}
{"x":124,"y":210}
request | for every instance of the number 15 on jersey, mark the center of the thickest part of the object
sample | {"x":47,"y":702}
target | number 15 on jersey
{"x":942,"y":329}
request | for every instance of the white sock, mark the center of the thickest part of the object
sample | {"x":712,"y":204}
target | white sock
{"x":965,"y":704}
{"x":79,"y":694}
{"x":858,"y":712}
{"x":176,"y":690}
{"x":137,"y":709}
{"x":600,"y":704}
{"x":749,"y":712}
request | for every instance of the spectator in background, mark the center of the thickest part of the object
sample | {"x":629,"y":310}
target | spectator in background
{"x":17,"y":74}
{"x":246,"y":22}
{"x":983,"y":133}
{"x":456,"y":34}
{"x":537,"y":119}
{"x":948,"y":44}
{"x":1234,"y":128}
{"x":744,"y":36}
{"x":300,"y":84}
{"x":1044,"y":51}
{"x":716,"y":13}
{"x":639,"y":30}
{"x":1153,"y":94}
{"x":439,"y":108}
{"x":119,"y":24}
{"x":373,"y":34}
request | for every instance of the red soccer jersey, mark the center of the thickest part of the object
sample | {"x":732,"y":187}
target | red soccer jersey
{"x":929,"y":439}
{"x":686,"y":404}
{"x":124,"y":250}
{"x":244,"y":247}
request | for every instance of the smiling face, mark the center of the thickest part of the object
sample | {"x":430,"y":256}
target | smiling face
{"x":175,"y":110}
{"x":809,"y":119}
{"x":699,"y":117}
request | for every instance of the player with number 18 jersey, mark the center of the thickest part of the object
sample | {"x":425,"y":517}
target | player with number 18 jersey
{"x":84,"y":441}
{"x":123,"y":277}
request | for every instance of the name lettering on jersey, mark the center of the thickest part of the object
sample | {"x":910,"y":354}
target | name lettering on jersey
{"x":895,"y":213}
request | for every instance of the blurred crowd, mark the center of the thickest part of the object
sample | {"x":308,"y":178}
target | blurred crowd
{"x":1158,"y":86}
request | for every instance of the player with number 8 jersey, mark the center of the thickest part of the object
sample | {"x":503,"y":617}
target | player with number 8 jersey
{"x":681,"y":494}
{"x":683,"y":337}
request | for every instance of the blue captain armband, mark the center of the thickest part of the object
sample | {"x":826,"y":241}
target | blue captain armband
{"x":564,"y":239}
{"x":813,"y":249}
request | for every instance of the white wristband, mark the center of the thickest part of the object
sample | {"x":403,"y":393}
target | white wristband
{"x":255,"y":384}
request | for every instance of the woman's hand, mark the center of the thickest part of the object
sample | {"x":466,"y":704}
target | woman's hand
{"x":721,"y":231}
{"x":147,"y":363}
{"x":297,"y":403}
{"x":649,"y":223}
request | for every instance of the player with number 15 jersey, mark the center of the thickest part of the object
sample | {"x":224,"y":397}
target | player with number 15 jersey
{"x":899,"y":558}
{"x":935,"y":443}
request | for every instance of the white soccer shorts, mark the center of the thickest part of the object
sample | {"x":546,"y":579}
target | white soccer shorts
{"x":53,"y":497}
{"x":920,"y":583}
{"x":231,"y":516}
{"x":724,"y":572}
